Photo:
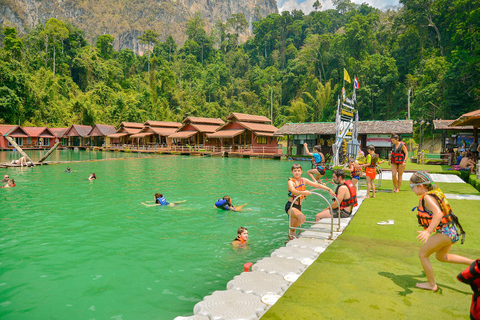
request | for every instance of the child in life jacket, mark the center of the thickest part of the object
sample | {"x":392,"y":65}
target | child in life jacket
{"x":226,"y":204}
{"x":371,"y":169}
{"x":435,"y":214}
{"x":161,"y":201}
{"x":355,"y":171}
{"x":241,"y":239}
{"x":297,"y":187}
{"x":319,"y":161}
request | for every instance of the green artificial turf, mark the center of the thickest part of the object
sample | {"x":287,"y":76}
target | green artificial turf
{"x":370,"y":271}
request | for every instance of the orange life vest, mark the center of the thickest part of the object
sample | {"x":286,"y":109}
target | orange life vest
{"x":398,"y":156}
{"x":356,"y":170}
{"x":300,"y":187}
{"x":238,"y":239}
{"x":425,"y":216}
{"x":352,"y":201}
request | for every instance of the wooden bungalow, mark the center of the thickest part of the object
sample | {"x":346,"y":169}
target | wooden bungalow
{"x":194,"y":131}
{"x":13,"y":131}
{"x":155,"y":133}
{"x":99,"y":134}
{"x":58,"y":133}
{"x":246,"y":133}
{"x":124,"y":132}
{"x":452,"y":137}
{"x":323,"y":133}
{"x":77,"y":135}
{"x":39,"y":137}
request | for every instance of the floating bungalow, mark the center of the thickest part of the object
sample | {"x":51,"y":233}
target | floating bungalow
{"x":156,"y":133}
{"x":58,"y":133}
{"x":77,"y":135}
{"x":124,"y":132}
{"x":99,"y":134}
{"x":15,"y":132}
{"x":194,"y":131}
{"x":39,"y":137}
{"x":323,"y":134}
{"x":246,"y":133}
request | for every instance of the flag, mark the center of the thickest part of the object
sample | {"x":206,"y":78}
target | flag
{"x":355,"y":83}
{"x":346,"y":77}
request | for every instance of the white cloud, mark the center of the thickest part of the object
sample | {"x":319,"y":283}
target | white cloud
{"x":307,"y":5}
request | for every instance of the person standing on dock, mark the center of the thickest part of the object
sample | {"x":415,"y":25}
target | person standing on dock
{"x":398,"y":161}
{"x":346,"y":195}
{"x":297,"y":187}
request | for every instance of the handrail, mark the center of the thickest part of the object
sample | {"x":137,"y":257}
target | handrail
{"x":316,"y":222}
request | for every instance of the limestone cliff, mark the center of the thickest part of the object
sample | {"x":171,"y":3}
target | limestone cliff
{"x":127,"y":19}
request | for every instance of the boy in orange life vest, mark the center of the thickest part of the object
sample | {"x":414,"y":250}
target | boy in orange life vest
{"x":296,"y":187}
{"x":434,"y":214}
{"x":346,"y":195}
{"x":241,"y":239}
{"x":371,"y":169}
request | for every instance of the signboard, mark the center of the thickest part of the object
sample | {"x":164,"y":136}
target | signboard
{"x":379,"y":140}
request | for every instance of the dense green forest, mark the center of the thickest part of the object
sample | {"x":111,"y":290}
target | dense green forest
{"x":53,"y":76}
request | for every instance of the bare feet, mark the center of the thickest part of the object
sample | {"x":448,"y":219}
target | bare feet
{"x":427,"y":286}
{"x":373,"y":196}
{"x":367,"y":196}
{"x":396,"y":191}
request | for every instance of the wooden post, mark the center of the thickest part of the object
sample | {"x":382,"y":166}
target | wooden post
{"x":13,"y":143}
{"x":49,"y":152}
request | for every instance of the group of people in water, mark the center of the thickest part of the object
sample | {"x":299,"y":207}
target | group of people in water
{"x":7,"y":182}
{"x":441,"y":228}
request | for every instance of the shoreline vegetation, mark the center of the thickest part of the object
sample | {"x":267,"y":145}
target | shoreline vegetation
{"x":291,"y":66}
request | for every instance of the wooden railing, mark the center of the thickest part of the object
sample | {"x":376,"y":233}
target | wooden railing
{"x":196,"y":148}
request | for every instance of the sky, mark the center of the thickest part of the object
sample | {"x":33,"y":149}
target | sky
{"x":307,"y":5}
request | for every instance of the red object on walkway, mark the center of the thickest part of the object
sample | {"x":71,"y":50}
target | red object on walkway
{"x":247,"y":266}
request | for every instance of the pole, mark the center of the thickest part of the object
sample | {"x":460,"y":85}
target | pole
{"x":16,"y":146}
{"x":271,"y":99}
{"x":409,"y":90}
{"x":49,"y":152}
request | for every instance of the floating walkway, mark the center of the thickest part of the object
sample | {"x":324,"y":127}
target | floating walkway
{"x":250,"y":294}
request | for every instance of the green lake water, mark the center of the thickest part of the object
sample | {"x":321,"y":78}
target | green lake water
{"x":77,"y":249}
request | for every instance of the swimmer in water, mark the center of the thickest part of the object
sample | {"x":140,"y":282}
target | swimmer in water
{"x":226,"y":204}
{"x":68,"y":170}
{"x":10,"y":184}
{"x":241,"y":240}
{"x":5,"y":179}
{"x":92,"y":176}
{"x":161,"y":201}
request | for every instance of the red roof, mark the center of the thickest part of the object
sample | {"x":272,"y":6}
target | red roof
{"x":58,"y":132}
{"x":102,"y":130}
{"x":118,"y":135}
{"x":225,"y":133}
{"x":141,"y":135}
{"x":204,"y":127}
{"x":163,"y":131}
{"x":42,"y":132}
{"x":132,"y":125}
{"x":182,"y":134}
{"x":13,"y":131}
{"x":258,"y":127}
{"x":445,"y":125}
{"x":163,"y":124}
{"x":199,"y":120}
{"x":131,"y":130}
{"x":4,"y":128}
{"x":77,"y":130}
{"x":248,"y":118}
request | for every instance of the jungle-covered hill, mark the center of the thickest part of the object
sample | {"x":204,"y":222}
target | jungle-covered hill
{"x":53,"y":76}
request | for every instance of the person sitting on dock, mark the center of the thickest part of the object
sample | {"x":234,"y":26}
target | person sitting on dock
{"x":346,"y":195}
{"x":92,"y":176}
{"x":10,"y":184}
{"x":241,"y":240}
{"x":226,"y":204}
{"x":5,"y":179}
{"x":161,"y":201}
{"x":466,"y":164}
{"x":319,"y":161}
{"x":296,"y":187}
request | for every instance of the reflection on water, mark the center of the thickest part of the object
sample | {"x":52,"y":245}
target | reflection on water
{"x":78,"y":249}
{"x":68,"y":155}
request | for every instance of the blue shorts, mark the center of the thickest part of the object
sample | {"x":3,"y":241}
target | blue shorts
{"x":356,"y":177}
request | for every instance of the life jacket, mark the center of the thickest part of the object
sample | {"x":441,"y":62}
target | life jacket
{"x":471,"y":276}
{"x":425,"y":216}
{"x":356,"y":170}
{"x":240,"y":240}
{"x":221,"y":203}
{"x":374,"y":160}
{"x":398,"y":156}
{"x":352,"y":201}
{"x":162,"y":201}
{"x":300,"y":187}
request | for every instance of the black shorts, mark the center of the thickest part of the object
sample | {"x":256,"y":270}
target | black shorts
{"x":343,"y":213}
{"x":321,"y":170}
{"x":295,"y":205}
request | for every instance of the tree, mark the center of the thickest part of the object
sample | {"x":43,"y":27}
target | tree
{"x":150,"y":38}
{"x":105,"y":46}
{"x":317,"y":5}
{"x":320,"y":98}
{"x":54,"y":30}
{"x":13,"y":45}
{"x":238,"y":23}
